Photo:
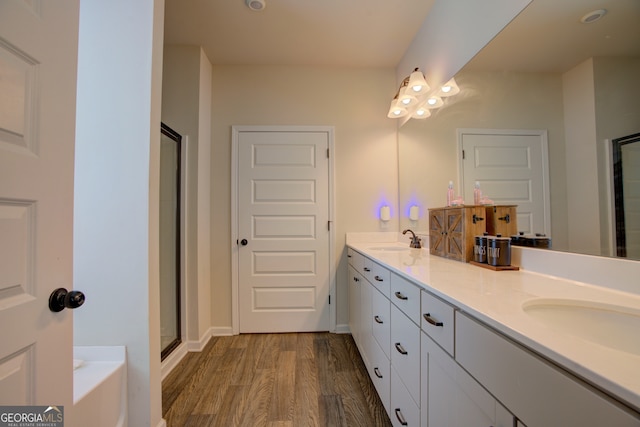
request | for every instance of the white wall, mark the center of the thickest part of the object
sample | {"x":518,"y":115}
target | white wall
{"x":355,"y":101}
{"x":116,"y":190}
{"x":581,"y":143}
{"x":186,"y":108}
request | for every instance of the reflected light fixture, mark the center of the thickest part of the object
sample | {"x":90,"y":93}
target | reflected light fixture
{"x":414,"y":97}
{"x":450,"y":88}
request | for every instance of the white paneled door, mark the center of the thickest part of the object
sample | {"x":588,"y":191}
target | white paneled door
{"x":283,"y":230}
{"x":512,"y":169}
{"x":38,"y":59}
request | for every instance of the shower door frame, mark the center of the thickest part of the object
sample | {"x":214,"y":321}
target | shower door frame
{"x":177,"y":138}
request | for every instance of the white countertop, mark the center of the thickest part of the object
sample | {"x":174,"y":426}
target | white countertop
{"x":497,"y":297}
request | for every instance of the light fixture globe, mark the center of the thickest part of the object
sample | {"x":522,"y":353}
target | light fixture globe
{"x":450,"y":88}
{"x":417,"y":83}
{"x":256,"y":5}
{"x":434,"y":102}
{"x":397,"y":109}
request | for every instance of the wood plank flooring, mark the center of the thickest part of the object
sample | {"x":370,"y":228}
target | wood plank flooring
{"x":273,"y":380}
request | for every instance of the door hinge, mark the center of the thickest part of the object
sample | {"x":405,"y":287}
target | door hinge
{"x":329,"y":299}
{"x":462,"y":154}
{"x":327,"y":153}
{"x":329,"y":225}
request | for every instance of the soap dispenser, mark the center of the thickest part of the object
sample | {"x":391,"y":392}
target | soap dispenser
{"x":477,"y":194}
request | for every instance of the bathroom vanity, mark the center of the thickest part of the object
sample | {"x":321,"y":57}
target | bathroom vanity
{"x":450,"y":344}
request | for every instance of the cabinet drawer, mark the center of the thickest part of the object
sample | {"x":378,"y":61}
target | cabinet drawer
{"x":380,"y":373}
{"x":381,"y":321}
{"x":356,"y":259}
{"x":378,"y":276}
{"x":537,"y":392}
{"x":405,"y":351}
{"x":404,"y":411}
{"x":438,"y":321}
{"x":406,"y":296}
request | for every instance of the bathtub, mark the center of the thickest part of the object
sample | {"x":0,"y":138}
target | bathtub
{"x":100,"y":386}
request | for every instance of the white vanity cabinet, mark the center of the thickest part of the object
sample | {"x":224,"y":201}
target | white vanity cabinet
{"x":451,"y":397}
{"x":537,"y":392}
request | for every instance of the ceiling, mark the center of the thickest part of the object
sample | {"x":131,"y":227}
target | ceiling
{"x":376,"y":33}
{"x":549,"y":37}
{"x":345,"y":33}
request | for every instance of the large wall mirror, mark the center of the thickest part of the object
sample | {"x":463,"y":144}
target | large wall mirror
{"x":575,"y":83}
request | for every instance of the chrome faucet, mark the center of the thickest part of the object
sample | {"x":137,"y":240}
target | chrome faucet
{"x":415,"y":240}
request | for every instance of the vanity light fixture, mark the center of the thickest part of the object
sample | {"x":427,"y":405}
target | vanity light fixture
{"x":414,"y":97}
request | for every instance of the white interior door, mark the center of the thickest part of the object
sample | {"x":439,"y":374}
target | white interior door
{"x":283,"y":234}
{"x":512,"y":168}
{"x":38,"y":58}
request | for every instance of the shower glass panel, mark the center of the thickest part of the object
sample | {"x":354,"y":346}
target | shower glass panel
{"x":170,"y":247}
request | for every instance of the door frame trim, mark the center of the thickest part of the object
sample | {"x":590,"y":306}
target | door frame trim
{"x":235,"y":131}
{"x":542,"y":134}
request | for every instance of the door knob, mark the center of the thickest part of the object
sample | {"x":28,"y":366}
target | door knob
{"x":244,"y":242}
{"x":61,"y":299}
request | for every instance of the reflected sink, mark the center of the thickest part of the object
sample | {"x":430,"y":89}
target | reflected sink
{"x":611,"y":326}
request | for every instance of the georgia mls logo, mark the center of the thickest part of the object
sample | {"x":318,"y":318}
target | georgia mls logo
{"x":31,"y":416}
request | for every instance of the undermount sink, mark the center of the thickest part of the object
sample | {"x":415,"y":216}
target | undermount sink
{"x":608,"y":325}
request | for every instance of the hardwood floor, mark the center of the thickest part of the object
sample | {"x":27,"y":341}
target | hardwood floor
{"x":292,"y":380}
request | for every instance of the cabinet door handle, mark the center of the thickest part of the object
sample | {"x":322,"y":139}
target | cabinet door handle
{"x":400,"y":348}
{"x":367,"y":269}
{"x":355,"y":279}
{"x":400,"y":296}
{"x":379,"y":279}
{"x":400,"y":417}
{"x":378,"y":319}
{"x":377,"y":372}
{"x":431,"y":320}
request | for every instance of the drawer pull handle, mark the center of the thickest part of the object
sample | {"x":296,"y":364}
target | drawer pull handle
{"x":400,"y":348}
{"x":348,"y":256}
{"x":400,"y":417}
{"x":400,"y":296}
{"x":377,"y":372}
{"x":367,"y":269}
{"x":378,"y":319}
{"x":379,"y":279}
{"x":428,"y":318}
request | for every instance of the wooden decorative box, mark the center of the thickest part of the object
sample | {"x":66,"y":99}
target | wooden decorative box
{"x":452,"y":229}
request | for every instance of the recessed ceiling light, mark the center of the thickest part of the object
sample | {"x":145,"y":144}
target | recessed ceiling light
{"x":255,"y":4}
{"x":593,"y":16}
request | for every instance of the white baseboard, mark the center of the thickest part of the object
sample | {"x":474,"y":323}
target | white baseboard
{"x":172,"y":360}
{"x":221,"y":331}
{"x":343,"y":328}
